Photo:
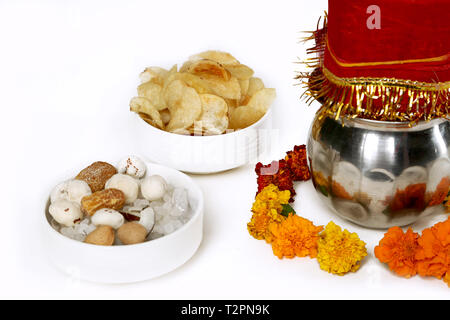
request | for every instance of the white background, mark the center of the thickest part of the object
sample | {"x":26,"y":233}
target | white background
{"x":67,"y":72}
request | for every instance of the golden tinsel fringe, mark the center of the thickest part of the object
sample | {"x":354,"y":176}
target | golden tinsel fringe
{"x":354,"y":97}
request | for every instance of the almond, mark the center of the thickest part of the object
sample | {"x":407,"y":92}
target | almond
{"x":132,"y":233}
{"x":102,"y":236}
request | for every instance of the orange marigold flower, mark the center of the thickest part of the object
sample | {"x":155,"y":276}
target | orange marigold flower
{"x":340,"y":252}
{"x":266,"y":209}
{"x":433,"y":254}
{"x":294,"y":236}
{"x":398,"y":250}
{"x":257,"y":227}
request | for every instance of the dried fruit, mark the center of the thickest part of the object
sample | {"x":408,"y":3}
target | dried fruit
{"x":96,"y":175}
{"x":108,"y":198}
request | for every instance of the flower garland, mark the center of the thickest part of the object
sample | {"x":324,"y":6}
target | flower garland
{"x":408,"y":254}
{"x":290,"y":235}
{"x":338,"y":251}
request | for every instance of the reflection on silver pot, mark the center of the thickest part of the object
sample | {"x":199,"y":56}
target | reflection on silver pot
{"x":380,"y":174}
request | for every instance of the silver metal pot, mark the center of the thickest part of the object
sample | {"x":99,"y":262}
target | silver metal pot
{"x":380,"y":174}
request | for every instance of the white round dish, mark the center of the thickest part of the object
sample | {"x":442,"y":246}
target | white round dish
{"x":132,"y":263}
{"x":204,"y":154}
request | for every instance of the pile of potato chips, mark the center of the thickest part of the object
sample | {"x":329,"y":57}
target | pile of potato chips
{"x":212,"y":93}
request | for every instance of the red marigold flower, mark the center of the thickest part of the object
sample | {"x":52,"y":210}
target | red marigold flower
{"x":276,"y":173}
{"x":298,"y":163}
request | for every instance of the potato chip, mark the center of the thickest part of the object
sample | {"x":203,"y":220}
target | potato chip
{"x":210,"y":93}
{"x":144,"y":106}
{"x":173,"y":92}
{"x":244,"y":86}
{"x":262,"y":99}
{"x":165,"y":116}
{"x":185,"y":67}
{"x":152,"y":92}
{"x":232,"y":103}
{"x":184,"y":105}
{"x":224,"y":58}
{"x":171,"y":75}
{"x":214,"y":116}
{"x":241,"y":71}
{"x":196,"y":129}
{"x":244,"y":116}
{"x":195,"y":82}
{"x":226,"y":89}
{"x":254,"y":85}
{"x":154,"y":74}
{"x":208,"y":68}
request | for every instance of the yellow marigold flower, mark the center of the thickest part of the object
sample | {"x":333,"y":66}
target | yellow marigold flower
{"x":270,"y":198}
{"x":294,"y":236}
{"x":340,"y":251}
{"x":266,"y":209}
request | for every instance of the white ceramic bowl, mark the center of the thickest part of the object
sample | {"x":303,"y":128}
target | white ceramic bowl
{"x":204,"y":154}
{"x":132,"y":263}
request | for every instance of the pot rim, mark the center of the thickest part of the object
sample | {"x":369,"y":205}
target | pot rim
{"x":391,"y":125}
